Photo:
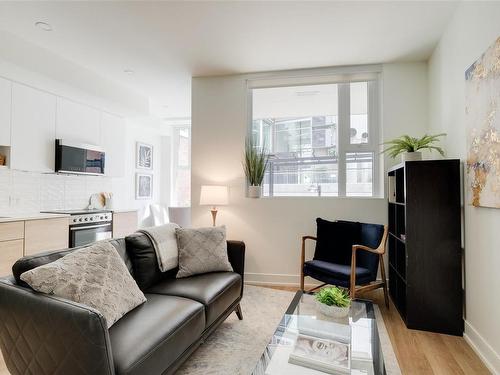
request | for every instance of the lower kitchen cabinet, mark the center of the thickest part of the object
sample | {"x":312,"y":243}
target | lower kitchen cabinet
{"x":10,"y":252}
{"x":46,"y":234}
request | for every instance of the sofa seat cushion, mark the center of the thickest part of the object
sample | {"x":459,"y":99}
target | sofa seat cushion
{"x":216,"y":291}
{"x":151,"y":337}
{"x":335,"y":274}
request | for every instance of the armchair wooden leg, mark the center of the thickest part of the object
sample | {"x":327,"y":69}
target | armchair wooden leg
{"x":352,"y":283}
{"x":238,"y":311}
{"x":384,"y":280}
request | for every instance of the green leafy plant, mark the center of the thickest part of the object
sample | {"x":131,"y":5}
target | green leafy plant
{"x":405,"y":143}
{"x":333,"y":296}
{"x":255,"y":163}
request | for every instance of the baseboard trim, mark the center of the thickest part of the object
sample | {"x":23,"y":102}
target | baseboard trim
{"x":486,"y":353}
{"x":276,"y":279}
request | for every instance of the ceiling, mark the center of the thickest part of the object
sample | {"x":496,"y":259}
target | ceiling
{"x":166,"y":43}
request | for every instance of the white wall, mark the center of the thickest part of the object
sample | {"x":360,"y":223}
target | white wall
{"x":474,"y":27}
{"x":272,"y":227}
{"x":405,"y":108}
{"x":141,"y":130}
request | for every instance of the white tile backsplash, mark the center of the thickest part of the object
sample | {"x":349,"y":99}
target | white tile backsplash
{"x":29,"y":192}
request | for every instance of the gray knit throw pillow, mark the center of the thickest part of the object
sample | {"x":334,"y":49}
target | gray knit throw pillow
{"x":202,"y":250}
{"x":95,"y":276}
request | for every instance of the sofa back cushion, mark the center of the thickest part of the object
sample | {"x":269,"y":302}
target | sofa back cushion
{"x":145,"y":262}
{"x":32,"y":261}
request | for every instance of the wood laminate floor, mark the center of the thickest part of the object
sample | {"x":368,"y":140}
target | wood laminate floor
{"x":418,"y":352}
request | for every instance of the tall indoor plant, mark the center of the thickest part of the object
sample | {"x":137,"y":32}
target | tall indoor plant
{"x":409,"y":147}
{"x":255,"y":165}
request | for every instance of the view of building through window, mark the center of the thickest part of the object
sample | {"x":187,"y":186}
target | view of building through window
{"x":318,"y":146}
{"x":181,"y":189}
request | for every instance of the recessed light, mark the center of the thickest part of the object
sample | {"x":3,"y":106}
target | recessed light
{"x":43,"y":25}
{"x":128,"y":71}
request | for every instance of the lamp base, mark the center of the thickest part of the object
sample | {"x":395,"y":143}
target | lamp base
{"x":214,"y":215}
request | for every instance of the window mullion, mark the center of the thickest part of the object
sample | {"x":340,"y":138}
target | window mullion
{"x":343,"y":135}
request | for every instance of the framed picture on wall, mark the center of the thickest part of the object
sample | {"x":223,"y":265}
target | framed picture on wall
{"x":143,"y":186}
{"x":144,"y":156}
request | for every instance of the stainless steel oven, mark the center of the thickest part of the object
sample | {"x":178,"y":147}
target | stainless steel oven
{"x":90,"y":227}
{"x":87,"y":226}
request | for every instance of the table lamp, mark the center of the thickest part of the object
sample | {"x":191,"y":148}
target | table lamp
{"x":213,"y":195}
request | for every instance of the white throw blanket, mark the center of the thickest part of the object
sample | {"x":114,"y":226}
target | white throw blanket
{"x":165,"y":245}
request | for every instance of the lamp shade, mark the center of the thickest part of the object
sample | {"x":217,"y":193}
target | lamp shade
{"x":213,"y":195}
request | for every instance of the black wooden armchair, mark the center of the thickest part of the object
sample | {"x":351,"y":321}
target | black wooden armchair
{"x":347,"y":255}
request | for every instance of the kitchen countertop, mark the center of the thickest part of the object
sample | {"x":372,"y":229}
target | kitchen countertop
{"x":32,"y":216}
{"x":118,"y":210}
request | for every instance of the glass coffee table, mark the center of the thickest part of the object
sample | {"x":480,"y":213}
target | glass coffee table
{"x":307,"y":342}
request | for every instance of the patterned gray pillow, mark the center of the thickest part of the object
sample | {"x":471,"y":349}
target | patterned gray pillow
{"x":202,"y":250}
{"x":95,"y":276}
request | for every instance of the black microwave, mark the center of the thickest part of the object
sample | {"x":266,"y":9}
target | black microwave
{"x":72,"y":157}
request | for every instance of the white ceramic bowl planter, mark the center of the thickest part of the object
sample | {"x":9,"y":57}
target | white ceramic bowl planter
{"x":332,"y":311}
{"x":411,"y":156}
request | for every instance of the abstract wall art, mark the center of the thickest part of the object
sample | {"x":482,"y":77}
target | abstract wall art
{"x":482,"y":116}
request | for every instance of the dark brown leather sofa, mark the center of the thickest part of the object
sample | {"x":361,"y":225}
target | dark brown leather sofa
{"x":43,"y":334}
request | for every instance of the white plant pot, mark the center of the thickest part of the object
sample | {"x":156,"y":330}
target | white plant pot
{"x":411,"y":156}
{"x":254,"y":191}
{"x":333,"y":311}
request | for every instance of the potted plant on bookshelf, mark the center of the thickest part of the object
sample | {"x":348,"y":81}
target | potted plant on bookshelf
{"x":255,"y":165}
{"x":333,"y":301}
{"x":409,"y":147}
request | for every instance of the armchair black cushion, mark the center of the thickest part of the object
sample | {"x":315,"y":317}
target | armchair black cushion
{"x":336,"y":274}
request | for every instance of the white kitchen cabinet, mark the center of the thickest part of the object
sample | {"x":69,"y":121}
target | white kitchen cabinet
{"x":113,"y":132}
{"x":33,"y":129}
{"x":5,"y":101}
{"x":77,"y":122}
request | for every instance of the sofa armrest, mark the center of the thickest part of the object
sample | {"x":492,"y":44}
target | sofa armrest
{"x":44,"y":334}
{"x":236,"y":255}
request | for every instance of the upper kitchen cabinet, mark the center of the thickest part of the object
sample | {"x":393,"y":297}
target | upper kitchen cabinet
{"x":77,"y":122}
{"x":33,"y":129}
{"x":5,"y":102}
{"x":113,"y":133}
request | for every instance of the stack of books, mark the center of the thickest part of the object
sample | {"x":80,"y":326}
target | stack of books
{"x":322,"y":346}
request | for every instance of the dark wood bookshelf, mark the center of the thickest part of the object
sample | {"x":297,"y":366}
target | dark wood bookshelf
{"x":425,"y":268}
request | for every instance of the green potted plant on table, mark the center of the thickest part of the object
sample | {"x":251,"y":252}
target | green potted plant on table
{"x":333,"y":301}
{"x":255,"y":164}
{"x":408,"y":146}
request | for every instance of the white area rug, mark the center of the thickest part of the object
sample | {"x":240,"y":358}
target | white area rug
{"x":236,"y":346}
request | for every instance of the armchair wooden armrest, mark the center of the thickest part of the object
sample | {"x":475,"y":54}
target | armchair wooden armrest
{"x":380,"y":251}
{"x":303,"y":258}
{"x":365,"y":248}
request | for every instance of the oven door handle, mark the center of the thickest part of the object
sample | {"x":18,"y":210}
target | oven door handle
{"x":91,"y":226}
